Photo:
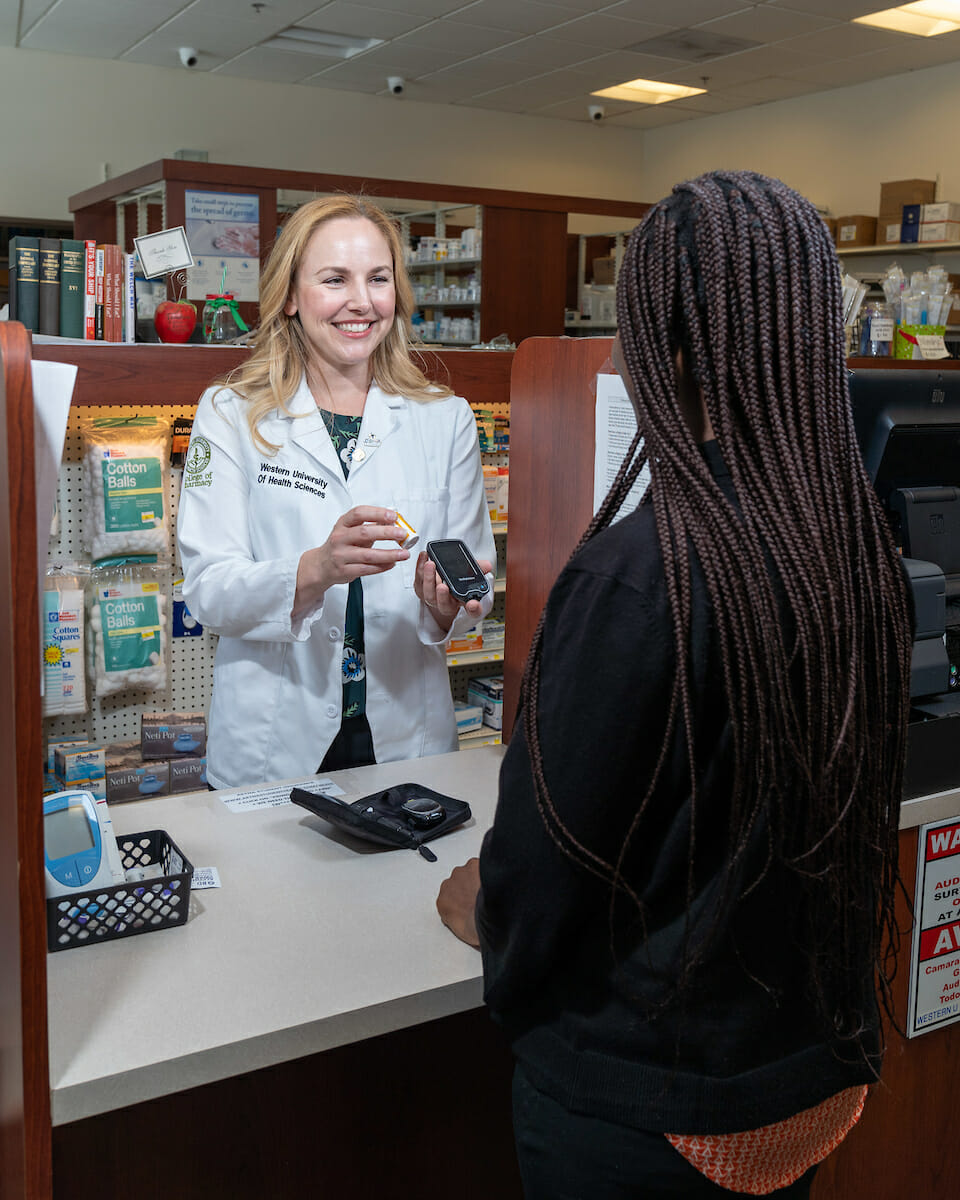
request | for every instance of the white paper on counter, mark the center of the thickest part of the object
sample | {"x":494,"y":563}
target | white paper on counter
{"x":616,"y":424}
{"x":273,"y":797}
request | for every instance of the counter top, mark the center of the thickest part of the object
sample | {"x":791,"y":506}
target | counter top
{"x":314,"y":940}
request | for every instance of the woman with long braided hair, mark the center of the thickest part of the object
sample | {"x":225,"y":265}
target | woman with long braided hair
{"x":687,"y":902}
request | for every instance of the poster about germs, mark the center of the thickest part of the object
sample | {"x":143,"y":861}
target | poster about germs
{"x":223,"y":229}
{"x":935,"y":957}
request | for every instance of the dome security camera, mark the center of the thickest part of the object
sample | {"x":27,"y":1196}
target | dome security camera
{"x":596,"y":112}
{"x":188,"y":56}
{"x":395,"y":84}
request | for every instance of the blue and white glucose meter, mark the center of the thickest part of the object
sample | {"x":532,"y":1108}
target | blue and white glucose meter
{"x":80,"y":848}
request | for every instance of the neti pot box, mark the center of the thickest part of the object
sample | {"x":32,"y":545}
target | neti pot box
{"x":859,"y":230}
{"x":487,"y":692}
{"x":173,"y":735}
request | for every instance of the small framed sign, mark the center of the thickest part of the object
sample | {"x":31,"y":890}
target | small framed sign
{"x":163,"y":252}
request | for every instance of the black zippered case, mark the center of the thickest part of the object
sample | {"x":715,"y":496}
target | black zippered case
{"x":380,"y":817}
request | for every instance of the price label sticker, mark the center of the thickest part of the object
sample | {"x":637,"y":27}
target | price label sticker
{"x":205,"y":877}
{"x":931,"y":345}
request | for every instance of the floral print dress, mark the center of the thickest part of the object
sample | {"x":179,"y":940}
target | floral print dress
{"x":344,"y":430}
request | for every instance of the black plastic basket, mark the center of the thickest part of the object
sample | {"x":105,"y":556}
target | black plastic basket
{"x":125,"y":909}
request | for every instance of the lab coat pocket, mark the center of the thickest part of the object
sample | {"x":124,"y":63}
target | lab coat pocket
{"x":426,"y":510}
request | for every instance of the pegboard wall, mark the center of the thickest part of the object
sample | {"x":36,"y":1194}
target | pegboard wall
{"x":190,"y":665}
{"x":190,"y":674}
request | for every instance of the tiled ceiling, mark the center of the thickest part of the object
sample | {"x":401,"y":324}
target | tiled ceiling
{"x":519,"y":56}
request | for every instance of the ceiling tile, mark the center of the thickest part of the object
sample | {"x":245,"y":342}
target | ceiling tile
{"x":651,"y":116}
{"x":847,"y":41}
{"x":263,"y":62}
{"x":485,"y":74}
{"x":576,"y":110}
{"x":772,"y":88}
{"x":353,"y":75}
{"x":518,"y":16}
{"x":403,"y":58}
{"x":77,"y":35}
{"x":677,"y":13}
{"x":30,"y":11}
{"x":423,"y":8}
{"x":542,"y":56}
{"x":545,"y":54}
{"x":767,"y":24}
{"x":607,"y":70}
{"x":841,"y":10}
{"x":360,"y":20}
{"x":606,"y":33}
{"x":709,"y":103}
{"x":465,"y":40}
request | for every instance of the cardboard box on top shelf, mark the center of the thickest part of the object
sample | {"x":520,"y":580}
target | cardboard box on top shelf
{"x":946,"y":210}
{"x":831,"y":224}
{"x":605,"y":270}
{"x":940,"y":231}
{"x":860,"y":230}
{"x":899,"y":192}
{"x":889,"y":228}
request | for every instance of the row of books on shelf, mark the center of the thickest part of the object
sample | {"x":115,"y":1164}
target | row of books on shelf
{"x":66,"y":287}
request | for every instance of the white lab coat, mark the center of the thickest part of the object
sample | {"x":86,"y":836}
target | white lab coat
{"x":245,"y":518}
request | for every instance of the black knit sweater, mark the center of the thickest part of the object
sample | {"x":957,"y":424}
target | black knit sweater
{"x":740,"y":1045}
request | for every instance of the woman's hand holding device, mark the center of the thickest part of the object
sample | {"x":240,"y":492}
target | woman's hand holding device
{"x":449,"y":578}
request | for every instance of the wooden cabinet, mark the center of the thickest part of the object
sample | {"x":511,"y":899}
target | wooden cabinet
{"x":523,"y":264}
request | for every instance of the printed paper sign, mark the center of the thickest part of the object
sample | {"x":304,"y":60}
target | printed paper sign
{"x":616,"y":427}
{"x":163,"y":252}
{"x":935,"y":957}
{"x":224,"y":233}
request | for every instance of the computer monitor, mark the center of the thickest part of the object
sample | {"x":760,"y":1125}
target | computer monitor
{"x":908,"y":427}
{"x":907,"y":423}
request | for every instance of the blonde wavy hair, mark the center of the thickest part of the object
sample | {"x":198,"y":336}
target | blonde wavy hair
{"x":279,"y":348}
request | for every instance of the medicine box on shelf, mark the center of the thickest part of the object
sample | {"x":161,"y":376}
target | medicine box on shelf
{"x":469,"y":716}
{"x":487,"y":692}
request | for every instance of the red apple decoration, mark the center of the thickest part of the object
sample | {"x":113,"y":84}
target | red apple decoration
{"x":175,"y":320}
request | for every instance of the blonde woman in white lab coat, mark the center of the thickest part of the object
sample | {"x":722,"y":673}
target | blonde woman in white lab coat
{"x":332,"y":636}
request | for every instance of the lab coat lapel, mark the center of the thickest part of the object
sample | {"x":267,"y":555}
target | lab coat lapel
{"x":310,"y":434}
{"x":382,"y":416}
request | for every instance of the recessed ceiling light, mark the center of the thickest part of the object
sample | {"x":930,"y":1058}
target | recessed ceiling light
{"x":648,"y":91}
{"x":925,"y":18}
{"x":317,"y":41}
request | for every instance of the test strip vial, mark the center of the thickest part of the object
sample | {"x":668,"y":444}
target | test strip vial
{"x":412,"y":536}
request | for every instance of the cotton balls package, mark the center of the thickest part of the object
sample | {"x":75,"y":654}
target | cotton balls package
{"x":64,"y":679}
{"x":126,"y":475}
{"x":128,"y":642}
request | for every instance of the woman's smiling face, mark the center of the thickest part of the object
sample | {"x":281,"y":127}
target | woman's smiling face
{"x":344,"y":293}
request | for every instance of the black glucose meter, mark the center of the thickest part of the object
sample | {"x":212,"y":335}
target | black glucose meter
{"x":80,"y":848}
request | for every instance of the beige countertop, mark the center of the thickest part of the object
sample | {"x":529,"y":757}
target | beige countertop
{"x":313,"y":940}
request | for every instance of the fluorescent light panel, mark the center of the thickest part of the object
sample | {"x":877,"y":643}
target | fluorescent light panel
{"x":925,"y":18}
{"x":648,"y":91}
{"x":316,"y":41}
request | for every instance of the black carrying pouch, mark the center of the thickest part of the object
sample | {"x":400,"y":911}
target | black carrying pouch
{"x":402,"y":816}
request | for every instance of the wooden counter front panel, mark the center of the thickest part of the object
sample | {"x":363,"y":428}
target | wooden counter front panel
{"x":552,"y":436}
{"x":24,"y":1070}
{"x":423,"y":1112}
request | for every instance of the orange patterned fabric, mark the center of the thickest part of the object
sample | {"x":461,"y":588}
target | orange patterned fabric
{"x":759,"y":1161}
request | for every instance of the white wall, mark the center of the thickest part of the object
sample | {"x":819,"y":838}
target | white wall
{"x":836,"y":147}
{"x":62,"y":116}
